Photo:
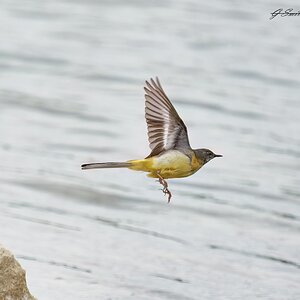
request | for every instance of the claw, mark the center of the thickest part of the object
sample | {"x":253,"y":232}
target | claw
{"x":165,"y":189}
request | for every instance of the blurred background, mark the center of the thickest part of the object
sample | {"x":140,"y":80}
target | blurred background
{"x":71,"y":92}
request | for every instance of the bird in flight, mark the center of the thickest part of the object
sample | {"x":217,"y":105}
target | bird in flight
{"x":171,"y":154}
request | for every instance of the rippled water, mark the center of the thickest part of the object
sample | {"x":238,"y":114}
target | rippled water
{"x":71,"y":79}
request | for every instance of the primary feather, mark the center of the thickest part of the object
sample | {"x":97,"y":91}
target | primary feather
{"x":166,"y":130}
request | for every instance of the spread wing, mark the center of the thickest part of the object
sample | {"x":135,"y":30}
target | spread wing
{"x":166,"y":130}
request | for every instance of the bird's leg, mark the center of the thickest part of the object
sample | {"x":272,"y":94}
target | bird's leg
{"x":165,"y":186}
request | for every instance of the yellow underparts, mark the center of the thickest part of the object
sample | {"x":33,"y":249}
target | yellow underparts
{"x":172,"y":164}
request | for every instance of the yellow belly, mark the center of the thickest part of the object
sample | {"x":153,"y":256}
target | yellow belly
{"x":172,"y":164}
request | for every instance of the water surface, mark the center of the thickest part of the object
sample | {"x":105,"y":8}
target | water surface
{"x":71,"y":79}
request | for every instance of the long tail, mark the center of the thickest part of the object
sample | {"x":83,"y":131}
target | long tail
{"x":106,"y":165}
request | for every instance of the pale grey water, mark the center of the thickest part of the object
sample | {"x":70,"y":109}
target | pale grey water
{"x":71,"y":79}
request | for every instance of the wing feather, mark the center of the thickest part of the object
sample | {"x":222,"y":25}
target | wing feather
{"x":166,"y":130}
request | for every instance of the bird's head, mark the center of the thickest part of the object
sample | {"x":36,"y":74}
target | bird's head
{"x":206,"y":155}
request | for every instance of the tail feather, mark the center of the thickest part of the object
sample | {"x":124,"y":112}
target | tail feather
{"x":105,"y":165}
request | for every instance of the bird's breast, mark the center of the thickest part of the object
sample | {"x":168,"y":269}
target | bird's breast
{"x":196,"y":164}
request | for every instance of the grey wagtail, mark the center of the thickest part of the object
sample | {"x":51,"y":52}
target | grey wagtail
{"x":171,"y":154}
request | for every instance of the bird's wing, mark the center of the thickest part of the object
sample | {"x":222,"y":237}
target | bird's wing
{"x":166,"y":130}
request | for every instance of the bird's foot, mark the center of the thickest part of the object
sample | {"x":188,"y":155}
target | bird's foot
{"x":165,"y":189}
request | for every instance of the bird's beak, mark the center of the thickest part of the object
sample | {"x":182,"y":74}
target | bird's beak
{"x":218,"y":155}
